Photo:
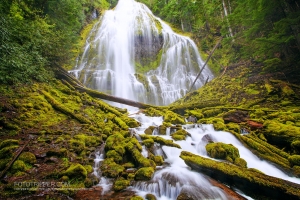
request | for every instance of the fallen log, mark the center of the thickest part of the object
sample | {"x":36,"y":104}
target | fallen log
{"x":251,"y":182}
{"x":71,"y":81}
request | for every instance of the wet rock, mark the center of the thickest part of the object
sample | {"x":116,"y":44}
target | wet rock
{"x":236,"y":116}
{"x":207,"y":138}
{"x":192,"y":119}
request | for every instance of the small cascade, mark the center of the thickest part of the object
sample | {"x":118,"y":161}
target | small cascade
{"x":132,"y":54}
{"x":175,"y":177}
{"x":105,"y":183}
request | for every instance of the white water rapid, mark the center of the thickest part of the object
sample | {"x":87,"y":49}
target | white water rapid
{"x":132,"y":54}
{"x":170,"y":180}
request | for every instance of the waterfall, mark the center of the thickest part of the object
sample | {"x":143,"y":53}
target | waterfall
{"x":132,"y":54}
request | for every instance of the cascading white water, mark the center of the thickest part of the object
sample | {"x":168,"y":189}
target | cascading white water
{"x":131,"y":35}
{"x":169,"y":181}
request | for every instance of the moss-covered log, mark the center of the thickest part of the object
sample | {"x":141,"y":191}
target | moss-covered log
{"x":252,"y":183}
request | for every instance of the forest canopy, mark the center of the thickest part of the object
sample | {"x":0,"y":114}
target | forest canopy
{"x":39,"y":35}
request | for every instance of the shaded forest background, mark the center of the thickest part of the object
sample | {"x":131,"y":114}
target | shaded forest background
{"x":36,"y":36}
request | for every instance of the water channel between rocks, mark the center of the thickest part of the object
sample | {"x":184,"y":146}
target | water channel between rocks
{"x":175,"y":177}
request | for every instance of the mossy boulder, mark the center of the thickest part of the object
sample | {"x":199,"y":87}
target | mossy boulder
{"x":149,"y":130}
{"x":111,"y":169}
{"x":180,"y":134}
{"x":19,"y":166}
{"x":28,"y":158}
{"x":150,"y":197}
{"x":114,"y":140}
{"x":114,"y":155}
{"x":76,"y":171}
{"x":162,"y":130}
{"x":144,"y":174}
{"x":223,"y":151}
{"x":173,"y":118}
{"x":121,"y":184}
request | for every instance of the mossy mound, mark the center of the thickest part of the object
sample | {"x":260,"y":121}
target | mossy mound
{"x":223,"y":151}
{"x":28,"y":158}
{"x":111,"y":169}
{"x":121,"y":184}
{"x":180,"y":135}
{"x":76,"y":171}
{"x":144,"y":174}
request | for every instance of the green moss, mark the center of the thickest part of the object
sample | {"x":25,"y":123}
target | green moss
{"x":296,"y":145}
{"x":18,"y":166}
{"x":55,"y":104}
{"x":163,"y":141}
{"x":148,"y":143}
{"x":88,"y":168}
{"x":234,"y":127}
{"x":138,"y":157}
{"x":240,"y":162}
{"x":197,"y":113}
{"x":77,"y":146}
{"x":294,"y":160}
{"x":180,"y":135}
{"x":121,"y":123}
{"x":230,"y":174}
{"x":28,"y":158}
{"x":173,"y":118}
{"x":88,"y":140}
{"x":150,"y":197}
{"x":223,"y":151}
{"x":3,"y":163}
{"x":114,"y":140}
{"x":111,"y":169}
{"x":58,"y":152}
{"x":76,"y":171}
{"x":162,"y":130}
{"x":7,"y":152}
{"x":121,"y":184}
{"x":114,"y":155}
{"x":158,"y":160}
{"x":9,"y":142}
{"x":149,"y":130}
{"x":144,"y":174}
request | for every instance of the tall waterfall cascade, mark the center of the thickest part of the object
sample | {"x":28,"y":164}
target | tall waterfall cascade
{"x":132,"y":54}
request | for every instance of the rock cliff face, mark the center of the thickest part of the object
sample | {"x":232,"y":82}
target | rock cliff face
{"x":146,"y":51}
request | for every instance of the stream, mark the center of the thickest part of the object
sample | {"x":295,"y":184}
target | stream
{"x":175,"y":177}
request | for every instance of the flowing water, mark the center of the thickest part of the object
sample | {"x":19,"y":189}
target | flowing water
{"x":169,"y":181}
{"x":132,"y":54}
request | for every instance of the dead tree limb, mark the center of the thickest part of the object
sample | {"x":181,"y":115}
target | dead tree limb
{"x":14,"y":159}
{"x":205,"y":63}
